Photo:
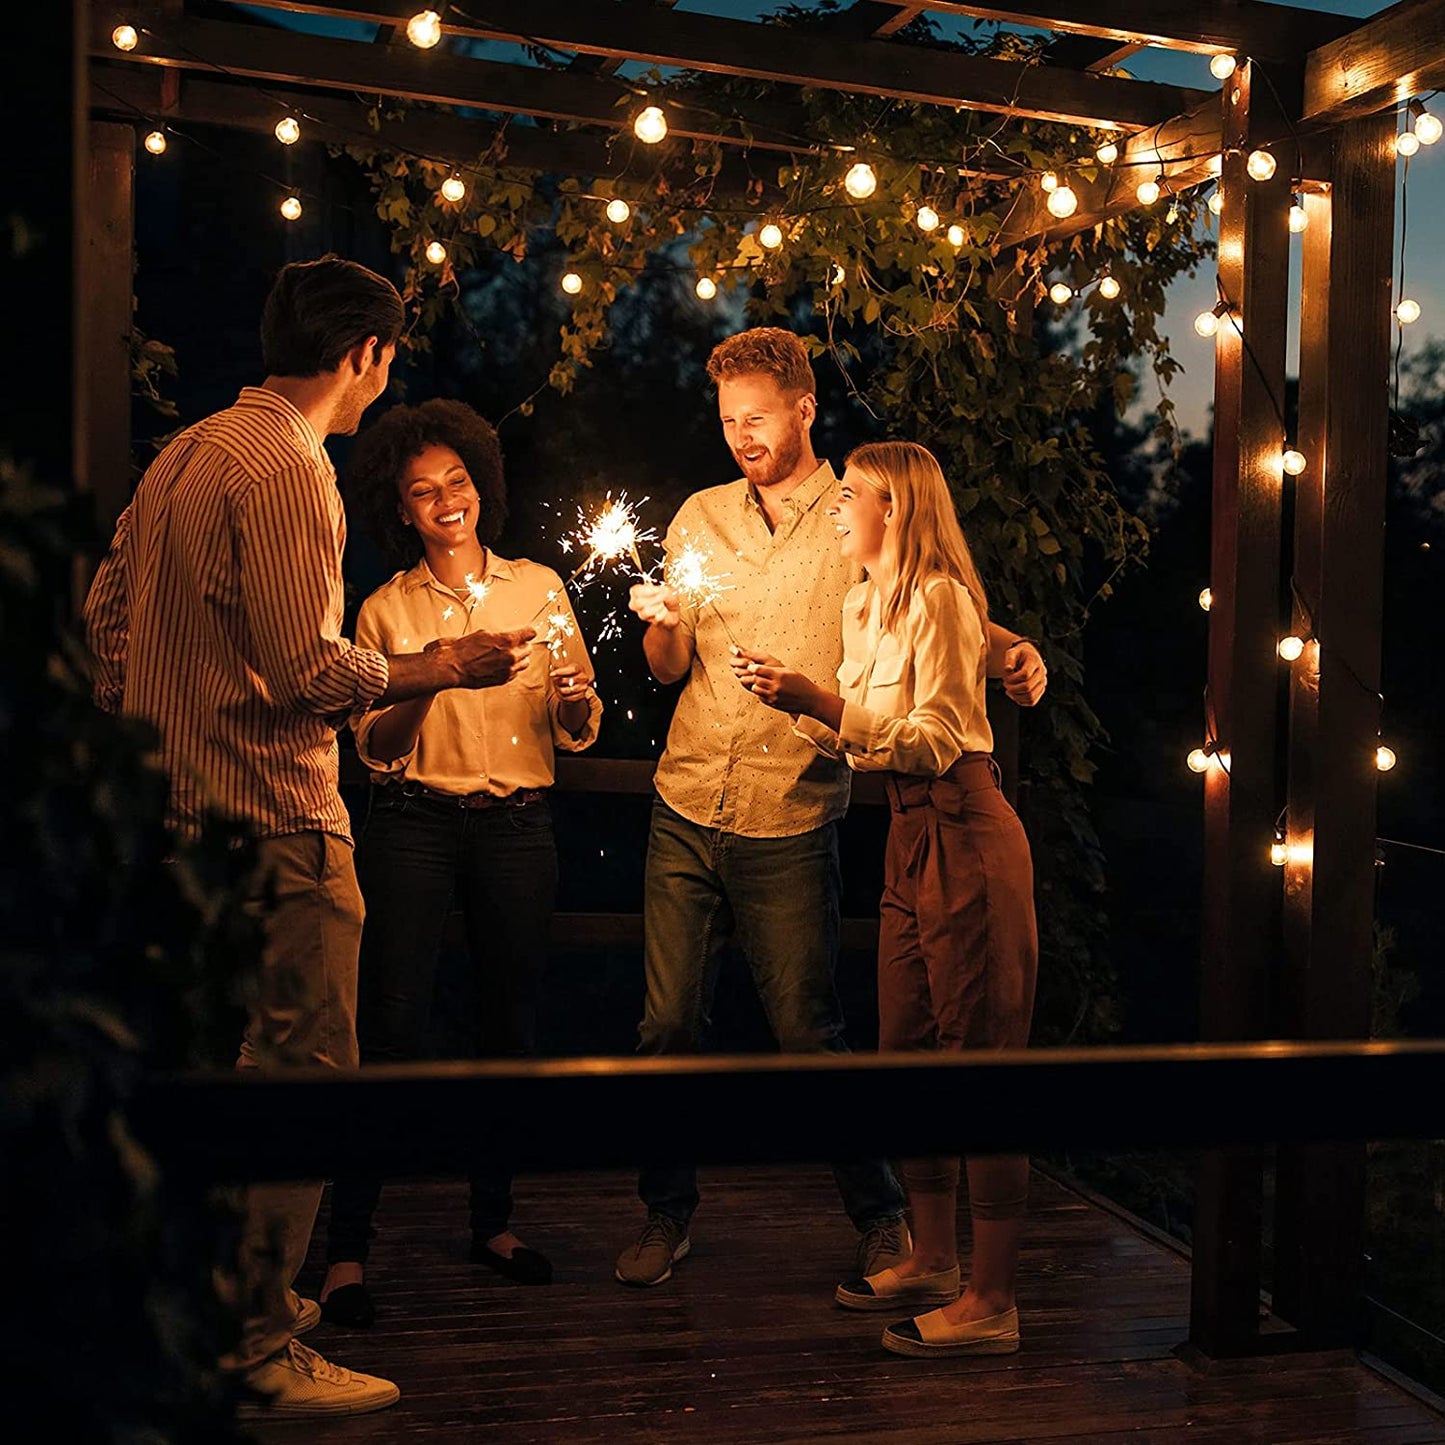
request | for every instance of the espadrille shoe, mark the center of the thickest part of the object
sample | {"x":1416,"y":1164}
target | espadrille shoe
{"x":888,"y":1290}
{"x":931,"y":1334}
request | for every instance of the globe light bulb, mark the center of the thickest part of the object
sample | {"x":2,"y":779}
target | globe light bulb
{"x":1407,"y":313}
{"x":1206,"y":599}
{"x":1198,"y":760}
{"x":1049,"y":181}
{"x":618,"y":210}
{"x":1260,"y":165}
{"x":1216,"y":166}
{"x":1061,"y":293}
{"x":1147,"y":192}
{"x":571,"y":283}
{"x":650,"y":126}
{"x":288,"y":130}
{"x":424,"y":29}
{"x":436,"y":253}
{"x":1108,"y":287}
{"x":454,"y":188}
{"x":1428,"y":128}
{"x":155,"y":142}
{"x":1407,"y":144}
{"x":1216,"y":203}
{"x":770,"y":237}
{"x":927,"y":218}
{"x":1299,"y":218}
{"x":861,"y":181}
{"x":1278,"y":853}
{"x":1290,"y":647}
{"x":1293,"y":462}
{"x":1221,"y":67}
{"x":955,"y":236}
{"x":1062,"y":202}
{"x":1107,"y":153}
{"x":291,"y":208}
{"x":1206,"y":323}
{"x":124,"y":37}
{"x":706,"y":288}
{"x":1385,"y":758}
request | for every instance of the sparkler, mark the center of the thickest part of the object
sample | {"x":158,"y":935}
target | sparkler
{"x":688,"y":571}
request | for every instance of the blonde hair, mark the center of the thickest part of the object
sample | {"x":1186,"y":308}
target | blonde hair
{"x":925,"y":538}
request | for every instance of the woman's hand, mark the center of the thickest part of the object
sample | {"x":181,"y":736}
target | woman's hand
{"x":571,"y":683}
{"x":1024,"y":675}
{"x":774,"y":684}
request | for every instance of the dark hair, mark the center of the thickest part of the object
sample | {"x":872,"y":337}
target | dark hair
{"x":319,"y":310}
{"x":380,"y":457}
{"x":764,"y":351}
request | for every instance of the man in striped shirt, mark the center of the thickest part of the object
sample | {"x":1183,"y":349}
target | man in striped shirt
{"x":216,"y":616}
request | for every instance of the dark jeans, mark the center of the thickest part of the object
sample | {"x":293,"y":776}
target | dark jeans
{"x":416,"y":856}
{"x":778,"y":899}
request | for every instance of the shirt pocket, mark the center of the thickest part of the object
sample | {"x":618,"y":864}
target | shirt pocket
{"x":850,"y":674}
{"x":889,"y":665}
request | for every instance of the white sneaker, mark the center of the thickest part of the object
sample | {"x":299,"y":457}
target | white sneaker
{"x":298,"y":1381}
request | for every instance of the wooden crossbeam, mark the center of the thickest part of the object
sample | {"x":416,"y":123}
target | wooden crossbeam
{"x":1398,"y":54}
{"x":1207,"y":27}
{"x":800,"y":57}
{"x":875,"y":19}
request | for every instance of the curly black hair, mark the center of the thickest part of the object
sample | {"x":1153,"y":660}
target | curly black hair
{"x":382,"y":452}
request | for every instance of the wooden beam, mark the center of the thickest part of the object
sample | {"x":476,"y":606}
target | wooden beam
{"x":1207,"y":27}
{"x":875,"y":19}
{"x":1241,"y":888}
{"x":258,"y":52}
{"x":801,"y":57}
{"x":1395,"y":55}
{"x":1329,"y":874}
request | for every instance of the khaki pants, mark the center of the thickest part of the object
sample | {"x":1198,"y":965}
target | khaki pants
{"x":303,"y":1013}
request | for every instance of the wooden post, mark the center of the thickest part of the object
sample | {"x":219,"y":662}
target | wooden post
{"x":1241,"y":889}
{"x":107,"y":286}
{"x":1329,"y":875}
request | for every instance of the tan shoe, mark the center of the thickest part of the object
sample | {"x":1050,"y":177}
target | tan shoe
{"x":888,"y":1290}
{"x":932,"y":1334}
{"x":663,"y":1242}
{"x":883,"y":1245}
{"x":299,"y":1382}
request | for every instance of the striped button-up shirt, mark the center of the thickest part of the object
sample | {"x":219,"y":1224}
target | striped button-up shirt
{"x":216,"y":616}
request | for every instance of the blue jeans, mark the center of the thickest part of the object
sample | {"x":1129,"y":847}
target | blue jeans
{"x":416,"y":856}
{"x":778,"y":899}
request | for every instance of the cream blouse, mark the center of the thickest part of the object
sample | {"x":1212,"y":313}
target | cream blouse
{"x":489,"y":739}
{"x":913,"y":700}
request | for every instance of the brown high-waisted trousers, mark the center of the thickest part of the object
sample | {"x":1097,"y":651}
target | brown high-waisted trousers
{"x":957,"y":941}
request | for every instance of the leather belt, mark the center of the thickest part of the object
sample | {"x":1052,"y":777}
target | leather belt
{"x":518,"y":799}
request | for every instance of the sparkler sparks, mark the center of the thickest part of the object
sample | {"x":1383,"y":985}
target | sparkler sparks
{"x":612,"y":533}
{"x":478,"y":588}
{"x":688,"y":571}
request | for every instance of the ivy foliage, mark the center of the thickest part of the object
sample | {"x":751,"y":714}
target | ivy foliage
{"x":945,"y":337}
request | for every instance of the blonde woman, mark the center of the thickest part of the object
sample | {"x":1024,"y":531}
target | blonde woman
{"x":957,"y":946}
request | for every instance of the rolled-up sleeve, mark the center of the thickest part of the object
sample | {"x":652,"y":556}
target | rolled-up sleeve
{"x":373,"y":635}
{"x":289,"y":538}
{"x":107,"y":621}
{"x":576,"y":650}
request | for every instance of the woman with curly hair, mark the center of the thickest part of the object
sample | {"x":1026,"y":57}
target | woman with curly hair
{"x":459,"y":805}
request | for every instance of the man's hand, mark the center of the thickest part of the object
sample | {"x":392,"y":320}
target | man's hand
{"x":1024,"y":675}
{"x":772,"y":683}
{"x":488,"y":659}
{"x":656,"y":605}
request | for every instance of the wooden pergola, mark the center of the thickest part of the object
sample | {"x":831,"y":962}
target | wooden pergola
{"x":1286,"y":953}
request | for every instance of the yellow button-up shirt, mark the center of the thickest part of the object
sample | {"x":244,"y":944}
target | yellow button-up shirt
{"x":730,"y":763}
{"x":490,"y":739}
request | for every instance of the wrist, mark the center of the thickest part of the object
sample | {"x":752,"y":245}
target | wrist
{"x":449,"y":669}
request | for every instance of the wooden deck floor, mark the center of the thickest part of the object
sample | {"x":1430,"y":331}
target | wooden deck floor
{"x":744,"y":1343}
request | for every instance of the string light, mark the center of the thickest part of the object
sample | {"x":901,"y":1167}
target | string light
{"x":1293,"y":462}
{"x":1062,"y":202}
{"x":288,"y":130}
{"x":1200,"y":759}
{"x":1291,"y":647}
{"x":1407,"y":313}
{"x":1216,"y":166}
{"x":770,"y":237}
{"x":1147,"y":192}
{"x":1427,"y":127}
{"x":956,"y":237}
{"x":1278,"y":849}
{"x":1108,"y":287}
{"x":1216,"y":202}
{"x":1207,"y":322}
{"x":1049,"y":182}
{"x":618,"y":210}
{"x":571,"y":282}
{"x":1299,"y":218}
{"x":706,"y":288}
{"x":424,"y":29}
{"x":1061,"y":293}
{"x":1407,"y":143}
{"x":291,"y":208}
{"x":1385,"y":758}
{"x":124,"y":37}
{"x":1107,"y":153}
{"x":1221,"y":67}
{"x":1260,"y":165}
{"x":650,"y":126}
{"x":155,"y":142}
{"x":454,"y":188}
{"x":436,"y":253}
{"x":861,"y":181}
{"x":1206,"y":599}
{"x":927,"y":219}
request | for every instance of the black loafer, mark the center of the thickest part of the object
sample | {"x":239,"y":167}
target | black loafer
{"x":525,"y":1266}
{"x":350,"y":1306}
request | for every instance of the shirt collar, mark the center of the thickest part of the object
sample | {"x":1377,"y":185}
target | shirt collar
{"x":498,"y":569}
{"x":804,"y":496}
{"x":260,"y":398}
